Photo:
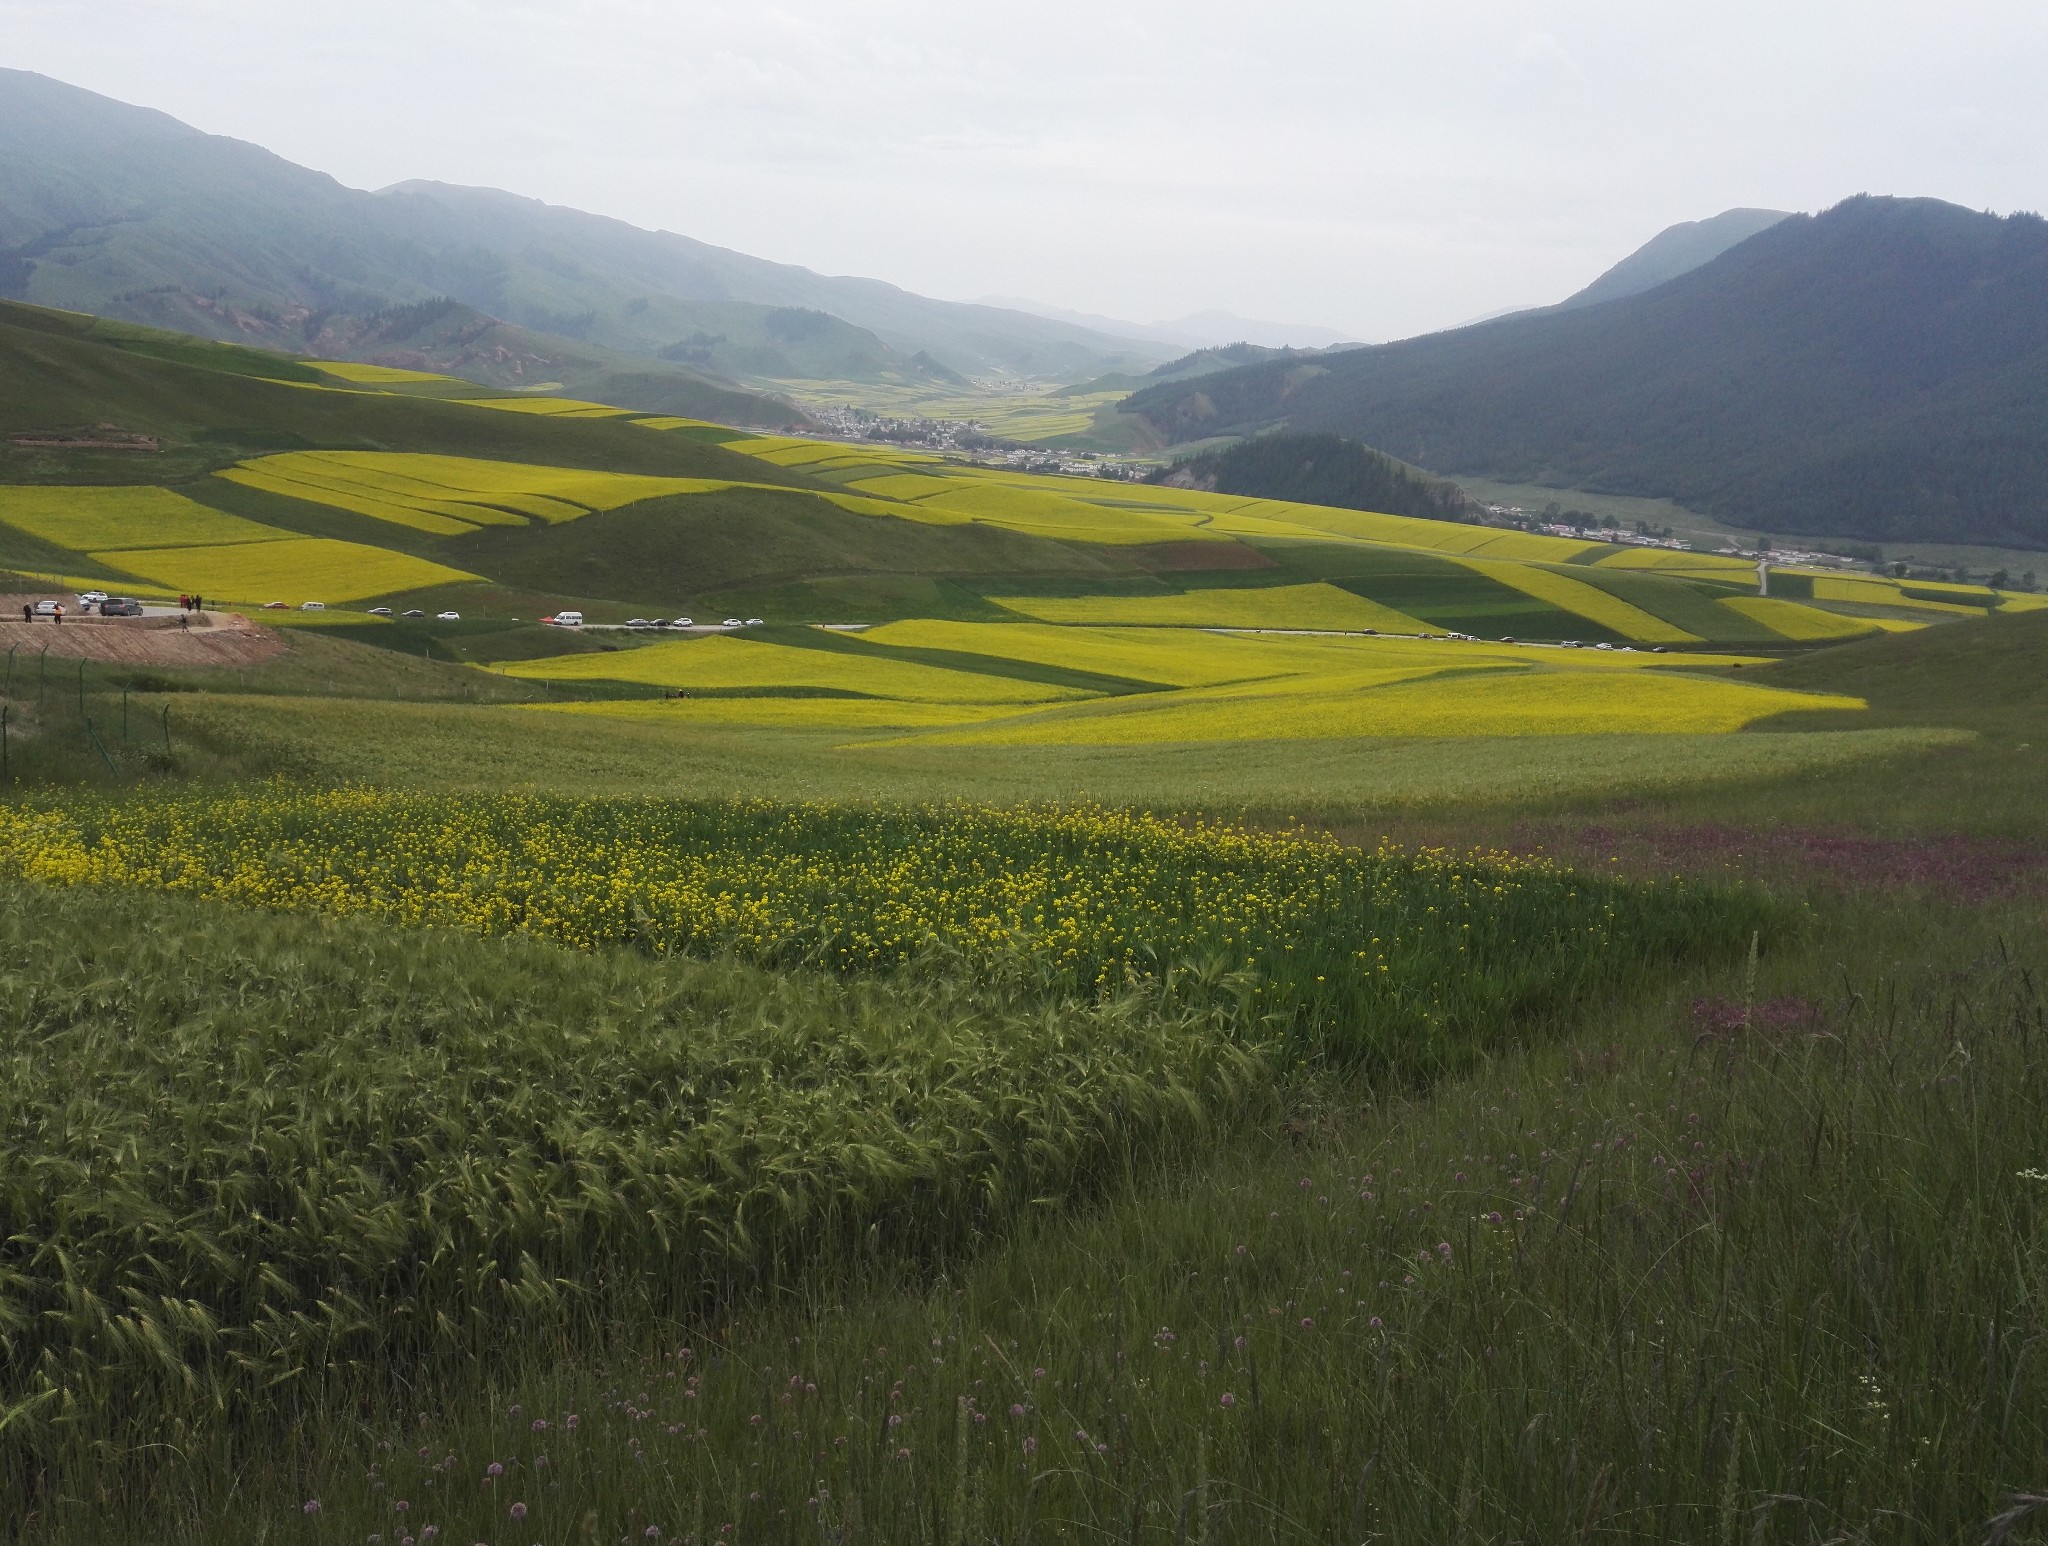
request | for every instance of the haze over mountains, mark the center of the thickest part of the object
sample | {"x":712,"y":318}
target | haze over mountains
{"x":1879,"y":370}
{"x":127,"y":212}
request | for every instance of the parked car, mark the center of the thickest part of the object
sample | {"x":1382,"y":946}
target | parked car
{"x":753,"y":622}
{"x":120,"y":606}
{"x":312,"y":606}
{"x":569,"y":619}
{"x":380,"y":611}
{"x":733,"y":622}
{"x":88,"y":599}
{"x":447,"y":617}
{"x":682,"y":622}
{"x":277,"y":606}
{"x":639,"y":622}
{"x":415,"y":612}
{"x":46,"y":609}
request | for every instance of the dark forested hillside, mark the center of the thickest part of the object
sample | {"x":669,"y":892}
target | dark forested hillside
{"x":1879,"y":370}
{"x":1318,"y":470}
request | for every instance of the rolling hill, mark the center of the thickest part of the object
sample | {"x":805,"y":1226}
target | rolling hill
{"x":127,"y":212}
{"x":1878,"y":371}
{"x":151,"y":463}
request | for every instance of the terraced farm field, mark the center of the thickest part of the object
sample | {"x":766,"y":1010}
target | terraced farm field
{"x":291,"y":569}
{"x":449,"y":495}
{"x":727,"y":663}
{"x":98,"y":519}
{"x":1410,"y":700}
{"x":1280,"y":606}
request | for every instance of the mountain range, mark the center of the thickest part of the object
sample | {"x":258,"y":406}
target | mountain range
{"x":1879,"y":370}
{"x":127,"y":212}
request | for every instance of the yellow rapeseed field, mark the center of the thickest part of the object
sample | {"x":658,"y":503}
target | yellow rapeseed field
{"x":1796,"y":621}
{"x":1316,"y":606}
{"x":452,"y":494}
{"x":726,"y":663}
{"x":1970,"y":600}
{"x":88,"y":519}
{"x":293,"y":569}
{"x":785,"y":713}
{"x":1583,"y":600}
{"x":547,"y":407}
{"x":1410,"y":703}
{"x":375,"y":375}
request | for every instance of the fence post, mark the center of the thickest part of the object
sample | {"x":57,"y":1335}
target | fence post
{"x":124,"y":713}
{"x":8,"y":690}
{"x":81,"y":689}
{"x":42,"y":674}
{"x":167,"y":729}
{"x":101,"y":747}
{"x":6,"y":772}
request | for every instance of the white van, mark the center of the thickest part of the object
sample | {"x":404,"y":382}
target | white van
{"x":567,"y":619}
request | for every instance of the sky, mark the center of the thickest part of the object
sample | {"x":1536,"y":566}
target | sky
{"x":1378,"y":167}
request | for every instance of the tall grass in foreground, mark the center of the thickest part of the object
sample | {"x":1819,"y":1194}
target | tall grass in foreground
{"x":1766,"y":1267}
{"x":256,"y":1166}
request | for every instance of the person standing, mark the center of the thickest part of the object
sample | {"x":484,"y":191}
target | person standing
{"x":58,"y":615}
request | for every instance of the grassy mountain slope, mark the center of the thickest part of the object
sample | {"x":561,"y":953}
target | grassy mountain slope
{"x":1675,"y":250}
{"x":1318,"y":470}
{"x":64,"y":372}
{"x":1880,"y":371}
{"x":120,"y":210}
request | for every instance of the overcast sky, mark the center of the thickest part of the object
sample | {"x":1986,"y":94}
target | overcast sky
{"x":1380,"y":166}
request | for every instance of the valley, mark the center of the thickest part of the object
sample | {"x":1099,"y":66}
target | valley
{"x":647,"y":896}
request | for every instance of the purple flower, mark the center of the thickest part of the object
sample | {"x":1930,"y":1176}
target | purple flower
{"x":494,"y":1469}
{"x":310,"y":1506}
{"x":1376,"y":1323}
{"x":571,"y":1421}
{"x":1030,"y":1445}
{"x":1229,"y":1399}
{"x":518,"y":1511}
{"x":1443,"y":1249}
{"x":1016,"y":1409}
{"x":540,"y":1425}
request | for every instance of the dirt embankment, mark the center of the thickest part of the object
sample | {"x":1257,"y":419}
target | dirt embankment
{"x":206,"y":639}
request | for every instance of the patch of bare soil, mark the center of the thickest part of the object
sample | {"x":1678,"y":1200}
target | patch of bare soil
{"x":206,"y":639}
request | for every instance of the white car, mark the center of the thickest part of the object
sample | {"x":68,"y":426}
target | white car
{"x":682,"y":622}
{"x":380,"y":611}
{"x":565,"y":620}
{"x":753,"y":622}
{"x":447,"y":617}
{"x":733,"y":622}
{"x":46,"y":609}
{"x":91,"y":598}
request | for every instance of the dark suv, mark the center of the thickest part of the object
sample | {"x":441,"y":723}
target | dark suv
{"x":120,"y":606}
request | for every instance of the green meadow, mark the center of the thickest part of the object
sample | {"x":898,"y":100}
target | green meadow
{"x":1137,"y":1033}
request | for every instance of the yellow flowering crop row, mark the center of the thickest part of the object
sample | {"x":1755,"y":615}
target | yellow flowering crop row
{"x":1381,"y":955}
{"x":91,"y":519}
